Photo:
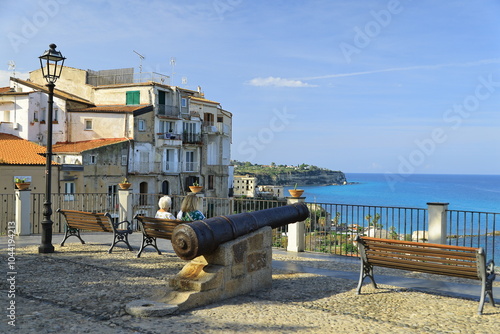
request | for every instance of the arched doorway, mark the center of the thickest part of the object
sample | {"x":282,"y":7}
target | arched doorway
{"x":143,"y":193}
{"x":165,"y":188}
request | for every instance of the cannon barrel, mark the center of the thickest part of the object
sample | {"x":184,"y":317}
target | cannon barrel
{"x":202,"y":237}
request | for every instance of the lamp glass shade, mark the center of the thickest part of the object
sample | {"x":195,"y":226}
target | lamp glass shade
{"x":51,"y":63}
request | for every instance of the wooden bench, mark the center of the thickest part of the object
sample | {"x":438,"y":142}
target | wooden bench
{"x":456,"y":261}
{"x":100,"y":222}
{"x":153,"y":228}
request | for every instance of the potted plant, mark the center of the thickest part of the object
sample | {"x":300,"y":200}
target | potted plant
{"x":296,"y":192}
{"x":125,"y":184}
{"x":21,"y":184}
{"x":195,"y":188}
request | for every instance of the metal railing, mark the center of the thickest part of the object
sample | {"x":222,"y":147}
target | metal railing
{"x":7,"y":211}
{"x":475,"y":229}
{"x":330,"y":228}
{"x":82,"y":202}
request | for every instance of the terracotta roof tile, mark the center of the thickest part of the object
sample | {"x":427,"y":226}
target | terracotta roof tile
{"x":81,"y":146}
{"x":18,"y":151}
{"x":114,"y":108}
{"x":4,"y":89}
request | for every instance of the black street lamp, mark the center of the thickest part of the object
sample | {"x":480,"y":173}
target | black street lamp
{"x":51,"y":71}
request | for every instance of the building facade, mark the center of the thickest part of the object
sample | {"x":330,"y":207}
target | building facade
{"x":113,"y":124}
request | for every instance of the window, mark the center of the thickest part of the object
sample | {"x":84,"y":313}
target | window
{"x":6,"y":116}
{"x":161,"y":97}
{"x":190,"y":161}
{"x":69,"y":191}
{"x":183,"y":102}
{"x":210,"y":182}
{"x":42,"y":115}
{"x":133,"y":97}
{"x":142,"y":125}
{"x":56,"y":115}
{"x":220,"y":119}
{"x":88,"y":124}
{"x":92,"y":159}
{"x":124,"y":160}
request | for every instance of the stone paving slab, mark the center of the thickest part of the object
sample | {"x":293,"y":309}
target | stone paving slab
{"x":83,"y":289}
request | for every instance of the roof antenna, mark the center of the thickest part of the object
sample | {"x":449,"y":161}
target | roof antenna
{"x":172,"y":63}
{"x":12,"y":66}
{"x":142,"y":58}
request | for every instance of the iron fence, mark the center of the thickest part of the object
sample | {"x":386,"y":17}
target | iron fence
{"x":332,"y":228}
{"x":474,"y":229}
{"x":7,"y":211}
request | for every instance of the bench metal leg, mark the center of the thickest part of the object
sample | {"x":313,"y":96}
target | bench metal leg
{"x":71,"y":232}
{"x":487,"y":287}
{"x":148,"y":241}
{"x":119,"y":236}
{"x":366,"y":271}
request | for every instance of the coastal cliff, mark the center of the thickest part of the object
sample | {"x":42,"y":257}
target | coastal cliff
{"x":303,"y":175}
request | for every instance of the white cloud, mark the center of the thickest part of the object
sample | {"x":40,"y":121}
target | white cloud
{"x":278,"y":82}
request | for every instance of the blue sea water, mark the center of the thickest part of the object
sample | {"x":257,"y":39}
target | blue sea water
{"x":476,"y":193}
{"x":462,"y":192}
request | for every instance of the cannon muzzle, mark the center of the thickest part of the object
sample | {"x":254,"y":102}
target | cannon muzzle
{"x":202,"y":237}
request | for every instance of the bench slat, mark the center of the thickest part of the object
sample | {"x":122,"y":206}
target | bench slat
{"x":425,"y":250}
{"x":418,"y":254}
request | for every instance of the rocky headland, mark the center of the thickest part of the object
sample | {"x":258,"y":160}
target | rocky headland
{"x":302,"y":175}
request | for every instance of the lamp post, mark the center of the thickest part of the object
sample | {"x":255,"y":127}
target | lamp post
{"x":51,"y":63}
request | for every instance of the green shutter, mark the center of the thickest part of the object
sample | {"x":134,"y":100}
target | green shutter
{"x":133,"y":97}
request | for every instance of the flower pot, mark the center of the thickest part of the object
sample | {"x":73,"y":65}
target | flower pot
{"x":124,"y":185}
{"x":22,"y":185}
{"x":296,"y":192}
{"x":195,"y":189}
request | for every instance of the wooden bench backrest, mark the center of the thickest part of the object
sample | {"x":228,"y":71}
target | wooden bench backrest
{"x":157,"y":227}
{"x":438,"y":259}
{"x":87,"y":220}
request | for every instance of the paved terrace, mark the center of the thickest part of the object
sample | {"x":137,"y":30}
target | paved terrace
{"x":83,"y":289}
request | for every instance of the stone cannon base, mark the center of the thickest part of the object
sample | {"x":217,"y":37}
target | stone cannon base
{"x":236,"y":268}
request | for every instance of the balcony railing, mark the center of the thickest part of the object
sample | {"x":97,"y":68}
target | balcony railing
{"x":190,"y":166}
{"x":191,"y":138}
{"x":169,"y":136}
{"x":166,"y":110}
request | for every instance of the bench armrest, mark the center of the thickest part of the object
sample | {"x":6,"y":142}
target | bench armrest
{"x":117,"y":224}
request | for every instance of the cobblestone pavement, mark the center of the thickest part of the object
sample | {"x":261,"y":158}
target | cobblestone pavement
{"x":83,"y":289}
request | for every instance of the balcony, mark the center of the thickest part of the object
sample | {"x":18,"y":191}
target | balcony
{"x":166,"y":110}
{"x":169,"y":139}
{"x":191,"y":138}
{"x":215,"y":128}
{"x":190,"y":166}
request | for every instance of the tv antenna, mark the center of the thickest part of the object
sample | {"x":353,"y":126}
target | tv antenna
{"x":12,"y":66}
{"x":172,"y":63}
{"x":142,"y":58}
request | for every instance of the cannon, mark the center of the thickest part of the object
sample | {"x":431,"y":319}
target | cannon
{"x":202,"y":237}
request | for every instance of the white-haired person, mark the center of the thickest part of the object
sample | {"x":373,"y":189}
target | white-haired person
{"x":164,"y":205}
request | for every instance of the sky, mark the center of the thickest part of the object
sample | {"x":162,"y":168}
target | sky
{"x":369,"y":86}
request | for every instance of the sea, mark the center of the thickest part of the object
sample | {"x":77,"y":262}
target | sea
{"x":471,"y":193}
{"x":462,"y":192}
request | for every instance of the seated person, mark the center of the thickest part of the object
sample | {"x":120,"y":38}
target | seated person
{"x":189,"y":211}
{"x":164,"y":204}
